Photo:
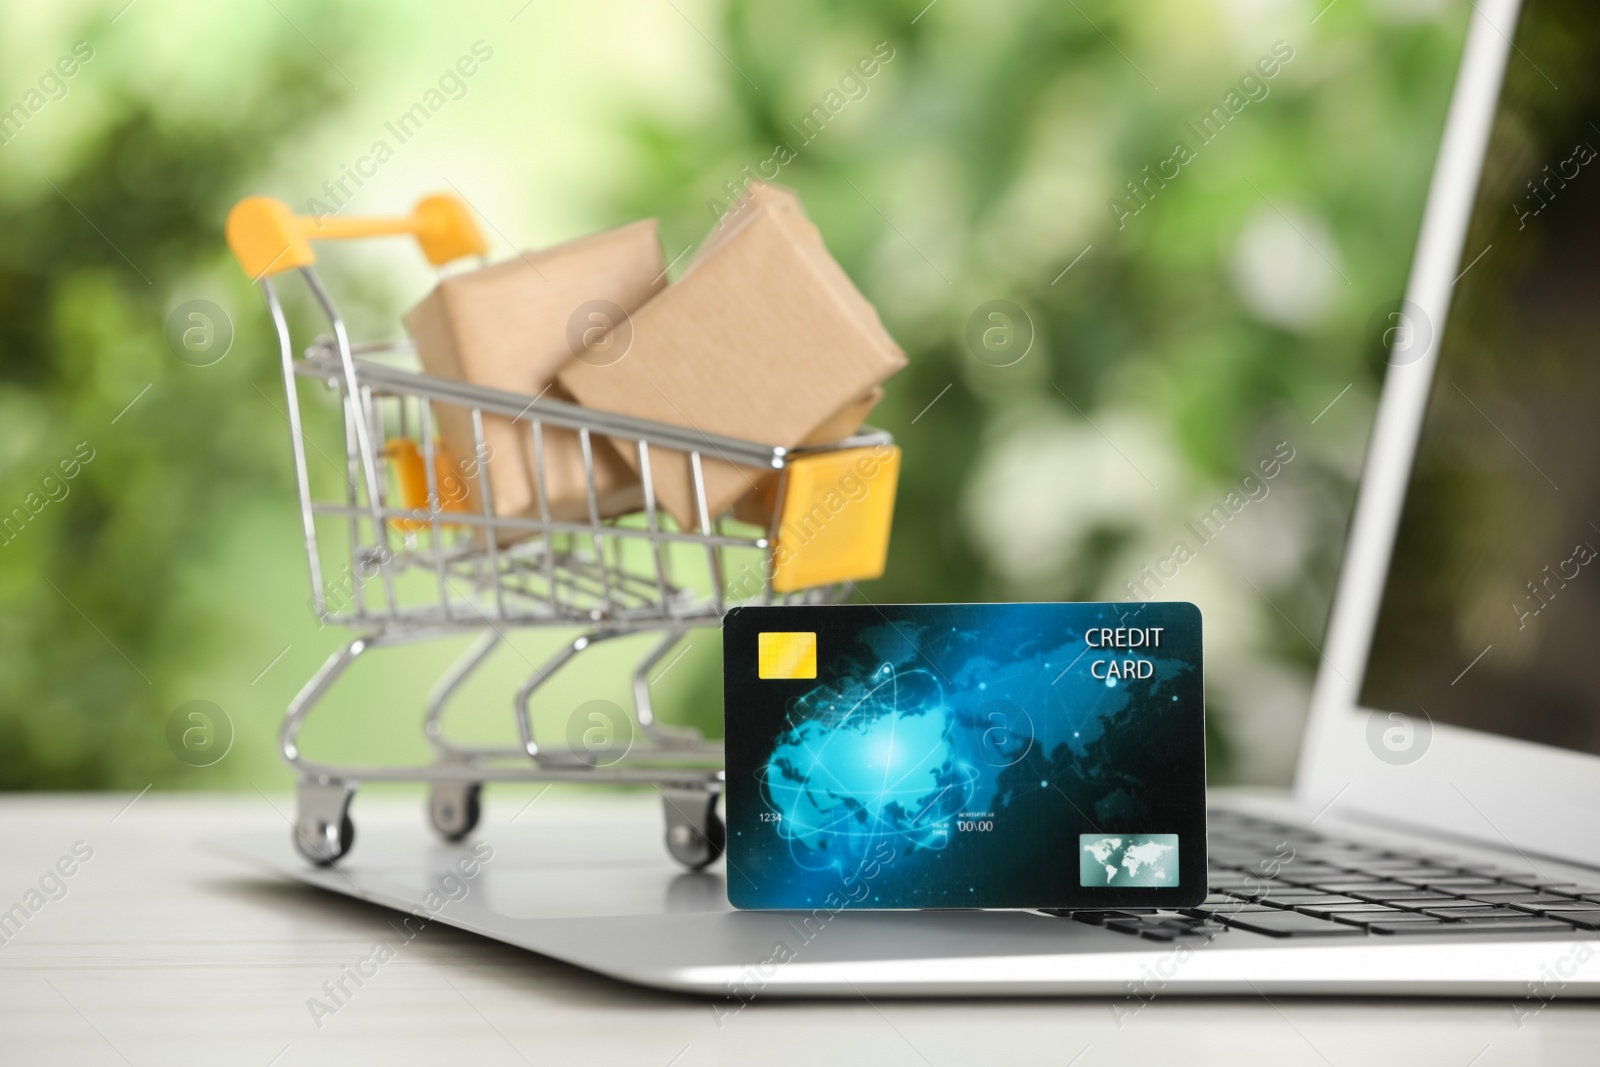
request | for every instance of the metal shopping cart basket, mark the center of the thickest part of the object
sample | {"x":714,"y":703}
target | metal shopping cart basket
{"x":419,"y":566}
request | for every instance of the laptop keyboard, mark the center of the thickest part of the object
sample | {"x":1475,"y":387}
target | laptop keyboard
{"x":1281,"y":880}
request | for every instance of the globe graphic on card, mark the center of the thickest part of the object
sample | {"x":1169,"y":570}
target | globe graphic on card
{"x":868,"y":761}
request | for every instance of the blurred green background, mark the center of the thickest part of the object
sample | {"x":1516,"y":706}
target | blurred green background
{"x":1173,"y":349}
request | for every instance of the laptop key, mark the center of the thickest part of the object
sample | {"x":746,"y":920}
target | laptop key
{"x":1486,"y":926}
{"x":1348,"y":887}
{"x":1432,"y":900}
{"x":1488,"y":911}
{"x":1170,"y":929}
{"x":1542,"y":885}
{"x":1550,"y":905}
{"x":1234,"y":907}
{"x":1508,"y":879}
{"x":1098,"y":918}
{"x":1543,"y":922}
{"x":1165,"y":934}
{"x":1333,"y":911}
{"x":1555,"y":900}
{"x":1389,"y":896}
{"x":1319,"y":879}
{"x":1388,"y":918}
{"x":1586,"y":920}
{"x":1290,"y":924}
{"x":1304,"y":900}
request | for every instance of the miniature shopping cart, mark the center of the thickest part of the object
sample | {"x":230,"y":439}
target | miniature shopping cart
{"x":396,"y":558}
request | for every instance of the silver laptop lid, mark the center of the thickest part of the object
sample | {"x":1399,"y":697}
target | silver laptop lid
{"x":1460,"y":685}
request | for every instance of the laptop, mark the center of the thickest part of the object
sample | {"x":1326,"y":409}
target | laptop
{"x":1443,"y":833}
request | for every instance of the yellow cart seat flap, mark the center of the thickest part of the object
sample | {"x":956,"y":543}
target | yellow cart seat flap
{"x":835,"y":517}
{"x":411,"y":476}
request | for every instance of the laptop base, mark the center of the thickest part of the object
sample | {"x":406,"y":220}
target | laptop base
{"x":601,"y":893}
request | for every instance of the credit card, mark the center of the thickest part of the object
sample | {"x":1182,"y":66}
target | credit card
{"x":965,"y":756}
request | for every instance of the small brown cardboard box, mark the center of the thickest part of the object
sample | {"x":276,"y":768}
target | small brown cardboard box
{"x":509,"y":326}
{"x":764,"y":338}
{"x":760,"y":195}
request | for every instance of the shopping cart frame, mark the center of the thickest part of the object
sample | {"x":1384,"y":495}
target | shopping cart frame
{"x":520,"y":571}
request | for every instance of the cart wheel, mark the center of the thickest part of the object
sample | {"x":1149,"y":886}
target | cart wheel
{"x":323,"y":831}
{"x":454,"y":808}
{"x":696,"y":835}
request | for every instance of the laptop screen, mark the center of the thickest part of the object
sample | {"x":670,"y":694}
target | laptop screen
{"x":1490,"y":615}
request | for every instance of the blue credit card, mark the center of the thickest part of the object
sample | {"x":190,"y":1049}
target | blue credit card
{"x":965,"y":756}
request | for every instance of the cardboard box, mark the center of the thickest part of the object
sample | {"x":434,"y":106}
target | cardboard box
{"x":765,"y":196}
{"x":510,"y":326}
{"x":764,"y":338}
{"x":757,"y":195}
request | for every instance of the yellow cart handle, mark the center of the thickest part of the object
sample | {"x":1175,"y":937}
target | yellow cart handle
{"x":267,"y":238}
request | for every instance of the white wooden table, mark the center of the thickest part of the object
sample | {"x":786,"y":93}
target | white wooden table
{"x":160,"y":951}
